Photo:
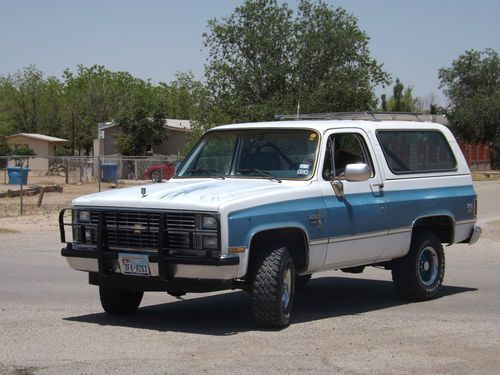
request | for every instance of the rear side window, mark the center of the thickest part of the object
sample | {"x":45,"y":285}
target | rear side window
{"x":416,"y":151}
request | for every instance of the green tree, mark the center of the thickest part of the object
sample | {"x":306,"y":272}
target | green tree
{"x":30,"y":102}
{"x":4,"y":147}
{"x":94,"y":94}
{"x":472,"y":84}
{"x":264,"y":60}
{"x":143,"y":124}
{"x":402,"y":100}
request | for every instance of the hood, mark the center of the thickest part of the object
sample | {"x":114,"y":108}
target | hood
{"x":187,"y":194}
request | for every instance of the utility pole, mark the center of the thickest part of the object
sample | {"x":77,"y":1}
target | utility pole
{"x":73,"y":141}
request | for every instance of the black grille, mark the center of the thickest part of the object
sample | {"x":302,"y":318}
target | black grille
{"x":131,"y":229}
{"x":180,"y":229}
{"x":140,"y":230}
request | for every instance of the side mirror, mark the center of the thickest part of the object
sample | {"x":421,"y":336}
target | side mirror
{"x":357,"y":172}
{"x":353,"y":172}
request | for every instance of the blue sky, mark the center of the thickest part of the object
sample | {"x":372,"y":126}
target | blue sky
{"x":154,"y":39}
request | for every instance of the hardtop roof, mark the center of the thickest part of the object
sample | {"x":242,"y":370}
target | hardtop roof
{"x":324,"y":125}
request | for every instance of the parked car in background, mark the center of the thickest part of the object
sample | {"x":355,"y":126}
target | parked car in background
{"x":159,"y":172}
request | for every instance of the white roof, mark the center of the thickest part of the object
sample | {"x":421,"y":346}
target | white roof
{"x":174,"y":124}
{"x":324,"y":125}
{"x":40,"y":137}
{"x":178,"y":124}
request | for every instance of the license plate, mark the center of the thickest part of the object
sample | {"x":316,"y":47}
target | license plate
{"x":134,"y":264}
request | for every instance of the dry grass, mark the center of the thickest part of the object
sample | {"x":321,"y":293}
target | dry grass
{"x":8,"y":231}
{"x":486,"y":176}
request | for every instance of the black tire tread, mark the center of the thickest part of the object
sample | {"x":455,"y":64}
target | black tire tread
{"x":120,"y":301}
{"x":403,"y":273}
{"x":265,"y":291}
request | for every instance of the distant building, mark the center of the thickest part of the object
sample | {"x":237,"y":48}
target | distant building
{"x":44,"y":146}
{"x":108,"y":133}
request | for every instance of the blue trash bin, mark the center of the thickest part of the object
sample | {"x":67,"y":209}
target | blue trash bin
{"x":18,"y":174}
{"x":109,"y":172}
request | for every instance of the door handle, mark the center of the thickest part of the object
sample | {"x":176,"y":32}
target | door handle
{"x":380,"y":185}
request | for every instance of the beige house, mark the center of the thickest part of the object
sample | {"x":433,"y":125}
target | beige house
{"x":43,"y":145}
{"x":178,"y":131}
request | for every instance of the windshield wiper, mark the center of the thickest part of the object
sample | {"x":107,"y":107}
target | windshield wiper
{"x":268,"y":175}
{"x":212,"y":173}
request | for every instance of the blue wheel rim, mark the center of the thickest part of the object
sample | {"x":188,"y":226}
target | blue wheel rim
{"x":428,"y":266}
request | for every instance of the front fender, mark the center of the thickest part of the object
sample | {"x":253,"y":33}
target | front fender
{"x":305,"y":214}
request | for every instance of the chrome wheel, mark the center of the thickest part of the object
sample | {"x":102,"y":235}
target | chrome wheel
{"x":287,"y":285}
{"x":156,"y":176}
{"x":428,"y":266}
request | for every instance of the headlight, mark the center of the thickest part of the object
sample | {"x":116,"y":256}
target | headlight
{"x":208,"y":222}
{"x":83,"y":216}
{"x":210,"y":242}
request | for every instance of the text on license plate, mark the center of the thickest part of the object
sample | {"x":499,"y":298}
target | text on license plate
{"x":134,"y":264}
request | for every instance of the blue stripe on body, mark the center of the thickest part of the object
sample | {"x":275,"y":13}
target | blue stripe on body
{"x":404,"y":206}
{"x":295,"y":213}
{"x":353,"y":215}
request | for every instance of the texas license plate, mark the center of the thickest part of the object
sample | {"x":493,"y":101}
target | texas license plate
{"x":134,"y":264}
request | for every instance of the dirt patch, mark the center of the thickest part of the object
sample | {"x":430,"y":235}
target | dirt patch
{"x":52,"y":201}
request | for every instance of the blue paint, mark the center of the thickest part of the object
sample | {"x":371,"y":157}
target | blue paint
{"x":353,"y":215}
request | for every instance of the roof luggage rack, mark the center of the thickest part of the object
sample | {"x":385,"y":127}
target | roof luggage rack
{"x":369,"y":115}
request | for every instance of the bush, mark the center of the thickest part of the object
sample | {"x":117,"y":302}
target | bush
{"x":61,"y":152}
{"x":23,"y":151}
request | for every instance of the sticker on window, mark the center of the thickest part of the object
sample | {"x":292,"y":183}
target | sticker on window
{"x":303,"y":169}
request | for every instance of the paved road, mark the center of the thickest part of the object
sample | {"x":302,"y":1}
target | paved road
{"x":51,"y":321}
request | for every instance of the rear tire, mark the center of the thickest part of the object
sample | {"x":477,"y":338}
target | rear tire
{"x":156,"y":176}
{"x":273,"y":289}
{"x":418,"y":276}
{"x":120,"y":301}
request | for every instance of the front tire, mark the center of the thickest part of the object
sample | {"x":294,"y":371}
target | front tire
{"x":273,"y":289}
{"x":418,"y":276}
{"x":120,"y":301}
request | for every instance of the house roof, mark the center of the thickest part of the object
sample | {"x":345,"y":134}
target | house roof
{"x":175,"y":124}
{"x":40,"y":137}
{"x":170,"y":123}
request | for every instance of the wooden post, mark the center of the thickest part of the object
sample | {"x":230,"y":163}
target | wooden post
{"x":21,"y":185}
{"x":66,"y":177}
{"x":40,"y":197}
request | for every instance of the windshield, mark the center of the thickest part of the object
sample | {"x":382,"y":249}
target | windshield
{"x":263,"y":153}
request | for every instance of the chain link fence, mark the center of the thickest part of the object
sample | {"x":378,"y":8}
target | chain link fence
{"x":22,"y":178}
{"x":85,"y":170}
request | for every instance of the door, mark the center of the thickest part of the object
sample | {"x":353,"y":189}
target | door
{"x":357,"y":220}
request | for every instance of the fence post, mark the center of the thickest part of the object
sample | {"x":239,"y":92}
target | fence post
{"x":21,"y":186}
{"x":99,"y":172}
{"x":66,"y":177}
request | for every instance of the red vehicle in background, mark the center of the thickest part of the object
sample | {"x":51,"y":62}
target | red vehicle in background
{"x":159,"y":172}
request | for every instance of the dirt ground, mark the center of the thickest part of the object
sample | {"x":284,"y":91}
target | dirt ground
{"x":53,"y":201}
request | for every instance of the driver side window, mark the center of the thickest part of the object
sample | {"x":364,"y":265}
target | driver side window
{"x":344,"y":148}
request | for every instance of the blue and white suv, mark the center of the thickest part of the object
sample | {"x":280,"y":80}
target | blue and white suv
{"x":262,"y":206}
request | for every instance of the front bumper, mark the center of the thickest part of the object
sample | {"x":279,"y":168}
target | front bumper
{"x":223,"y":268}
